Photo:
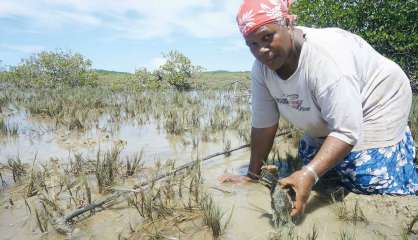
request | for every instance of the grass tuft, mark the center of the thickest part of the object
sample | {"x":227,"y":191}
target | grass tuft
{"x":107,"y":166}
{"x":213,"y":215}
{"x":17,"y":168}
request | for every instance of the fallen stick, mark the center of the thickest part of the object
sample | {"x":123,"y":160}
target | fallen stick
{"x":92,"y":206}
{"x":113,"y":196}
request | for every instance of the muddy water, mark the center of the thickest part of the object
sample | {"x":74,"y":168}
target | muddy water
{"x":40,"y":139}
{"x":250,"y":203}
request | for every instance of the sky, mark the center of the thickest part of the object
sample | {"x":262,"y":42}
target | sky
{"x":125,"y":35}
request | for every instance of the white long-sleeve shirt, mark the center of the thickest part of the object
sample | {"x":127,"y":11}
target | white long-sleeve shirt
{"x":342,"y":88}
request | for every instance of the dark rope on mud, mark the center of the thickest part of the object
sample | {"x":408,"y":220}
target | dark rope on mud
{"x":69,"y":218}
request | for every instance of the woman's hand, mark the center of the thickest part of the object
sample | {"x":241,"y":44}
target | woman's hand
{"x":301,"y":182}
{"x":234,"y":179}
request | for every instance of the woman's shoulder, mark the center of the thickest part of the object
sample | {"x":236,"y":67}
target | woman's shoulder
{"x":333,"y":39}
{"x":258,"y":71}
{"x":337,"y":48}
{"x":324,"y":32}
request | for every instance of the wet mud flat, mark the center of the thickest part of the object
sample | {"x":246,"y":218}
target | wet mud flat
{"x":245,"y":208}
{"x":55,"y":163}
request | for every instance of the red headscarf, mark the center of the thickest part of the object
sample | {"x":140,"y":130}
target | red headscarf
{"x":255,"y":13}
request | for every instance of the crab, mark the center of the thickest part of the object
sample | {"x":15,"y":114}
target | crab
{"x":281,"y":201}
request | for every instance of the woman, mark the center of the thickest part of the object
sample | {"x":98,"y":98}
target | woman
{"x":351,"y":102}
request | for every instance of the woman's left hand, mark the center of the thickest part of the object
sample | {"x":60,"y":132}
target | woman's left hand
{"x":301,"y":183}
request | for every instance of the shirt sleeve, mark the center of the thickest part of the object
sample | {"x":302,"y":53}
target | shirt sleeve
{"x":264,"y":108}
{"x":341,"y":108}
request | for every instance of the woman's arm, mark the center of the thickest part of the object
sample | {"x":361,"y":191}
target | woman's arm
{"x":332,"y":151}
{"x":261,"y":142}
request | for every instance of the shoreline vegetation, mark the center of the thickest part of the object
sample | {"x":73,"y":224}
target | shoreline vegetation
{"x":64,"y":69}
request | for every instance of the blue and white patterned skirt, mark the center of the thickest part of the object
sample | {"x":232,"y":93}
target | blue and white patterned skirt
{"x":388,"y":170}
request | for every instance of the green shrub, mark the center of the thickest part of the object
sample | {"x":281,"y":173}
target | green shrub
{"x":390,"y":26}
{"x":178,"y":70}
{"x":54,"y":69}
{"x":147,"y":79}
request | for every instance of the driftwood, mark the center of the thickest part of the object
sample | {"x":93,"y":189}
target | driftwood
{"x":69,"y":218}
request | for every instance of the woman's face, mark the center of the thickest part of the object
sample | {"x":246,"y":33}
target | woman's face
{"x":270,"y":44}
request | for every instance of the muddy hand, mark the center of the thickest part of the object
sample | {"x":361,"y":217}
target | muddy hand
{"x":234,"y":178}
{"x":302,"y":186}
